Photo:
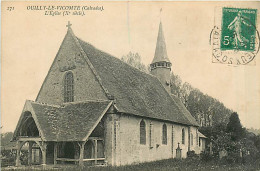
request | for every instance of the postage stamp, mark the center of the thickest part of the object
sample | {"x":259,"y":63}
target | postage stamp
{"x":235,"y":39}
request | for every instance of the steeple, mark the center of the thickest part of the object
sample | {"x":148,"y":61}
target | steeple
{"x":160,"y":51}
{"x":161,"y":65}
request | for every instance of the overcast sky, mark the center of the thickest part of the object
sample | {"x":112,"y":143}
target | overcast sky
{"x":30,"y":41}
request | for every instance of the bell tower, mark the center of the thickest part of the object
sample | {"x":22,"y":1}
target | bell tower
{"x":161,"y":65}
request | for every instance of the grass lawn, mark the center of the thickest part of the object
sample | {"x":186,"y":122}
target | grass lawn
{"x":163,"y":165}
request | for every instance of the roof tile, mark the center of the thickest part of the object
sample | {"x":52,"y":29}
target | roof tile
{"x":135,"y":92}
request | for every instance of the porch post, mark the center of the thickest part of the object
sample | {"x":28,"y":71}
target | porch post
{"x":40,"y":155}
{"x":30,"y":153}
{"x":55,"y":152}
{"x":95,"y":151}
{"x":81,"y":155}
{"x":44,"y":145}
{"x":18,"y":163}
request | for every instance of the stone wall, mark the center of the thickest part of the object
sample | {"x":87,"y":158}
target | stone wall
{"x":69,"y":58}
{"x":123,"y":146}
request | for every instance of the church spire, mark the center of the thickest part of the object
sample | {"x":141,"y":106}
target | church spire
{"x":160,"y":51}
{"x":161,"y":65}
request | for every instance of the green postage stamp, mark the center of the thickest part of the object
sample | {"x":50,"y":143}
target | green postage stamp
{"x":235,"y":39}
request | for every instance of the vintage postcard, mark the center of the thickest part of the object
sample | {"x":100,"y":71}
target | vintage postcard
{"x":142,"y":85}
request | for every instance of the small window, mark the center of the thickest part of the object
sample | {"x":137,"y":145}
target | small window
{"x":69,"y":87}
{"x":183,"y":136}
{"x":142,"y":132}
{"x":151,"y":135}
{"x":191,"y":139}
{"x":164,"y":134}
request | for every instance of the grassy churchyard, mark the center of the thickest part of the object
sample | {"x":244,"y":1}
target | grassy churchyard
{"x":189,"y":164}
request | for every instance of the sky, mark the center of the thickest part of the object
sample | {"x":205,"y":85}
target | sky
{"x":31,"y":39}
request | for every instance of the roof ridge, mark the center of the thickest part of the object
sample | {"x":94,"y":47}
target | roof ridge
{"x":42,"y":103}
{"x":84,"y":101}
{"x":68,"y":103}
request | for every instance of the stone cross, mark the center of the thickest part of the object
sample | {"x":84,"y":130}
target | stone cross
{"x":68,"y":25}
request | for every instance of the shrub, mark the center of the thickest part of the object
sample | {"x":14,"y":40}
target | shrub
{"x":191,"y":155}
{"x":7,"y":158}
{"x":206,"y":157}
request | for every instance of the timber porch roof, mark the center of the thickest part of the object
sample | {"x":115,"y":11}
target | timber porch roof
{"x":68,"y":122}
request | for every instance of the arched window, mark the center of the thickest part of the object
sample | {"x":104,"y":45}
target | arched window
{"x":183,"y":136}
{"x":191,"y":139}
{"x":142,"y":132}
{"x":164,"y":134}
{"x":69,"y":87}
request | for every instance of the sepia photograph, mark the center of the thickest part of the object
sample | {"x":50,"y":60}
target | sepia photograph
{"x":130,"y":85}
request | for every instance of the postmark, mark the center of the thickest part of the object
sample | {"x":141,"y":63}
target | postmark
{"x":234,"y":38}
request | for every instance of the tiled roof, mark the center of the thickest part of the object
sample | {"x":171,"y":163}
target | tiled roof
{"x":70,"y":122}
{"x":184,"y":110}
{"x":201,"y":135}
{"x":135,"y":92}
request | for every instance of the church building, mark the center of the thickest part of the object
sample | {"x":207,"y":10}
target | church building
{"x":94,"y":109}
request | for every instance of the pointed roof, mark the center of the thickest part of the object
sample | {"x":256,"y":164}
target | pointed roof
{"x":201,"y":135}
{"x":65,"y":122}
{"x":160,"y":51}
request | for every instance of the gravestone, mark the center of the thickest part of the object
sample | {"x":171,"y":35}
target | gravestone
{"x":178,"y":152}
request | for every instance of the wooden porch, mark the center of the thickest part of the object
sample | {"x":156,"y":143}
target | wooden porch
{"x":90,"y":151}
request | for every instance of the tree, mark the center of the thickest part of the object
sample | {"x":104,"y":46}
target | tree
{"x":134,"y":59}
{"x":6,"y":139}
{"x":234,"y":127}
{"x":185,"y":91}
{"x":176,"y":84}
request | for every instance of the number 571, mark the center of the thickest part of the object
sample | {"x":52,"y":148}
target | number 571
{"x":10,"y":8}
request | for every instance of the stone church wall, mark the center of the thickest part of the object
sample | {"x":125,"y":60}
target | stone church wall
{"x":69,"y":59}
{"x":123,"y":135}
